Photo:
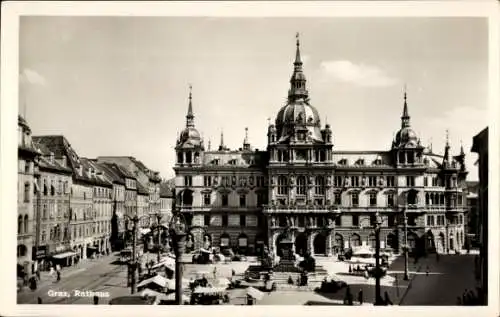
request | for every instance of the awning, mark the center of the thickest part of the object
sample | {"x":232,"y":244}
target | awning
{"x":158,"y":280}
{"x":255,"y":293}
{"x":144,"y":230}
{"x":63,"y":255}
{"x":210,"y":290}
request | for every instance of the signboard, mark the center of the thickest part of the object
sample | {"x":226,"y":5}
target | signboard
{"x":224,"y":242}
{"x":242,"y":242}
{"x":40,"y":253}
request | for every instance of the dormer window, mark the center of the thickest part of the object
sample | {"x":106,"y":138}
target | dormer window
{"x":180,"y":158}
{"x":378,"y":161}
{"x":343,"y":161}
{"x":215,"y":162}
{"x":233,"y":162}
{"x":360,"y":162}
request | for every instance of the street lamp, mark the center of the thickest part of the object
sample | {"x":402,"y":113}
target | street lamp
{"x":133,"y":264}
{"x":405,"y":247}
{"x":378,"y":270}
{"x":178,"y":232}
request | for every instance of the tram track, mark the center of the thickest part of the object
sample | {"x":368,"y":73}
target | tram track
{"x":92,"y":285}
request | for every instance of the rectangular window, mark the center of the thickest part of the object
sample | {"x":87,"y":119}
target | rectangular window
{"x":354,"y":181}
{"x":460,"y":200}
{"x":435,"y":182}
{"x":206,"y":220}
{"x":410,"y":181}
{"x":355,"y":199}
{"x":372,"y":181}
{"x":243,"y":200}
{"x":337,"y":181}
{"x":188,"y":181}
{"x":260,"y":181}
{"x":207,"y":199}
{"x":390,"y":200}
{"x":412,"y":221}
{"x":373,"y":219}
{"x":243,"y":220}
{"x":425,"y":181}
{"x":207,"y":181}
{"x":390,"y":221}
{"x":355,"y":220}
{"x":390,"y":181}
{"x":26,"y":167}
{"x":225,"y":200}
{"x":338,"y":199}
{"x":373,"y":199}
{"x":338,"y":221}
{"x":224,"y":220}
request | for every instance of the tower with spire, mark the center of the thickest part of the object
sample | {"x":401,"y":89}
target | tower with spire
{"x":189,"y":145}
{"x":406,"y":146}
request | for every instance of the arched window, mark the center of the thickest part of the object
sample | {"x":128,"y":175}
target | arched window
{"x":44,"y":235}
{"x":427,"y":199}
{"x":52,"y":190}
{"x":282,"y":185}
{"x":26,"y":230}
{"x":20,"y":226}
{"x":320,"y":185}
{"x":301,"y":185}
{"x":355,"y":240}
{"x":27,"y":192}
{"x":45,"y":189}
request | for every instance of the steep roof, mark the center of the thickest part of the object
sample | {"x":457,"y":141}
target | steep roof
{"x":96,"y":175}
{"x":112,"y":173}
{"x":47,"y":163}
{"x":166,"y":188}
{"x":141,"y":189}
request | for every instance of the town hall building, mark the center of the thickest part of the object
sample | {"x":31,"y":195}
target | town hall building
{"x":324,"y":200}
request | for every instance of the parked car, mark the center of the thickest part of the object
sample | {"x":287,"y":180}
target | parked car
{"x":332,"y":284}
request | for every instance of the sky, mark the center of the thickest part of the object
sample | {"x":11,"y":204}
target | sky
{"x":120,"y":85}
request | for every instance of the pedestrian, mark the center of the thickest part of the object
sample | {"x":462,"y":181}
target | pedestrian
{"x":37,"y":274}
{"x":459,"y":301}
{"x":427,"y":271}
{"x":39,"y":299}
{"x":360,"y":297}
{"x":233,"y":272}
{"x":387,"y":300}
{"x":215,"y":272}
{"x":58,"y":276}
{"x":96,"y":300}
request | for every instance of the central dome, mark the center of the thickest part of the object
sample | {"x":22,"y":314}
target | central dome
{"x":190,"y":136}
{"x":406,"y":137}
{"x":298,"y":113}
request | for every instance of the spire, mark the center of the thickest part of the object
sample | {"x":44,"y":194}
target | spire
{"x":405,"y":118}
{"x":298,"y":61}
{"x":209,"y":145}
{"x":190,"y":115}
{"x":298,"y":81}
{"x":246,"y":143}
{"x":462,"y":152}
{"x":222,"y":147}
{"x":446,"y":157}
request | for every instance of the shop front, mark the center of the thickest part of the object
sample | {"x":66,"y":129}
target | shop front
{"x":39,"y":256}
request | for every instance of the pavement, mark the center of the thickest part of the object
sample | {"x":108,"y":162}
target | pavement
{"x":446,"y":280}
{"x":449,"y":278}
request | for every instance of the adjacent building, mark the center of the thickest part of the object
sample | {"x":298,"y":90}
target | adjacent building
{"x":27,"y":155}
{"x":480,"y":146}
{"x":472,"y":218}
{"x":52,"y":209}
{"x":299,"y":188}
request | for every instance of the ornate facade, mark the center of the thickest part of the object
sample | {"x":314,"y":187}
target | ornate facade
{"x":321,"y":199}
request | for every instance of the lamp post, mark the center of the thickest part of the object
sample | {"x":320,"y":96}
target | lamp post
{"x":177,"y":231}
{"x":405,"y":247}
{"x":133,"y":264}
{"x":158,"y":217}
{"x":378,"y":270}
